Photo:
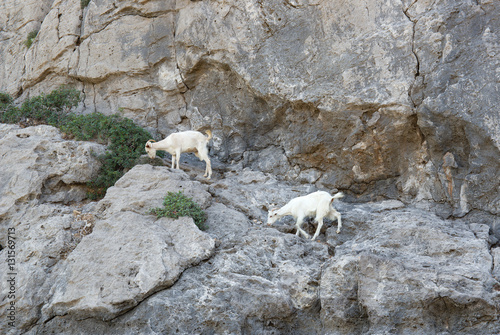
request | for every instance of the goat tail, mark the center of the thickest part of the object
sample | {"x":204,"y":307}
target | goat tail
{"x":337,"y":196}
{"x":209,"y":133}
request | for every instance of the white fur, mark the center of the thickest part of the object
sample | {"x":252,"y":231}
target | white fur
{"x":318,"y":204}
{"x":187,"y":141}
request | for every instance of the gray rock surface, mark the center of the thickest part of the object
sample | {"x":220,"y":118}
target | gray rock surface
{"x":38,"y":163}
{"x":124,"y":260}
{"x":109,"y":267}
{"x":394,"y":102}
{"x":454,"y":94}
{"x":406,"y":271}
{"x":366,"y":97}
{"x":99,"y":261}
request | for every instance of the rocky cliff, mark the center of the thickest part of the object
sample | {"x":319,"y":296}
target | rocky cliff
{"x":365,"y":96}
{"x":110,"y":267}
{"x":393,"y":102}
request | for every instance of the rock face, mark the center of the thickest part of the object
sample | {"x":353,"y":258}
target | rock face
{"x":110,"y":267}
{"x":40,"y":173}
{"x":458,"y":66}
{"x":38,"y":163}
{"x":371,"y":282}
{"x":393,"y":102}
{"x":99,"y":260}
{"x":142,"y":254}
{"x":368,"y":98}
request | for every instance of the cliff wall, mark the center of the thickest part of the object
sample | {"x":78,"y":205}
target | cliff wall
{"x":363,"y":96}
{"x":393,"y":102}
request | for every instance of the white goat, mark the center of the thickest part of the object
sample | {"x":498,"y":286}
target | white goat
{"x":317,"y":204}
{"x":187,"y":141}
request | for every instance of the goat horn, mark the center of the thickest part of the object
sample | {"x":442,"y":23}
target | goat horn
{"x":151,"y":141}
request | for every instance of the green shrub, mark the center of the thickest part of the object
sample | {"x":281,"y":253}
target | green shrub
{"x":176,"y":205}
{"x":125,"y":140}
{"x":53,"y":109}
{"x":30,"y":38}
{"x":50,"y":109}
{"x":89,"y":127}
{"x":5,"y":100}
{"x":8,"y":112}
{"x":84,"y":3}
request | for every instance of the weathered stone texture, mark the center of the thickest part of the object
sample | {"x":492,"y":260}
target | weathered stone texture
{"x":363,"y":96}
{"x":457,"y":97}
{"x":391,"y":100}
{"x":110,"y":267}
{"x":371,"y":282}
{"x":37,"y":163}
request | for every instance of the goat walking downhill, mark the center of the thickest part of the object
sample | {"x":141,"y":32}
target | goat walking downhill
{"x":318,"y":204}
{"x":186,"y":141}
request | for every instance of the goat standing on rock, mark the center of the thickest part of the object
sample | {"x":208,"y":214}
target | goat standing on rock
{"x":186,"y":141}
{"x":317,"y":204}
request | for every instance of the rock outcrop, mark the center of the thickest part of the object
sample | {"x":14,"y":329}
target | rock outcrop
{"x":394,"y":102}
{"x":94,"y":260}
{"x":110,"y":267}
{"x":406,"y":271}
{"x":364,"y":97}
{"x":37,"y":163}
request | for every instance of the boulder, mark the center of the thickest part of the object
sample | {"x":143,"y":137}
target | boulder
{"x":125,"y":259}
{"x":408,"y":271}
{"x":144,"y":254}
{"x":37,"y":163}
{"x":144,"y":187}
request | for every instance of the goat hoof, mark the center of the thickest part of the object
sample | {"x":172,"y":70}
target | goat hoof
{"x":338,"y":231}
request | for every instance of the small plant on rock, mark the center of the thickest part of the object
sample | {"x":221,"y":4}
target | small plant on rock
{"x":84,"y":3}
{"x":176,"y":205}
{"x":125,"y":140}
{"x":30,"y":38}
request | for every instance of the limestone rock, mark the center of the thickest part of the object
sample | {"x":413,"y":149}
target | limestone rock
{"x":393,"y":102}
{"x":100,"y":260}
{"x":42,"y":239}
{"x":130,"y":273}
{"x":38,"y":164}
{"x":41,"y":174}
{"x":147,"y":255}
{"x":257,"y":279}
{"x":496,"y":269}
{"x":458,"y":65}
{"x":144,"y":187}
{"x":408,"y":271}
{"x":254,"y":193}
{"x":365,"y":97}
{"x":124,"y":260}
